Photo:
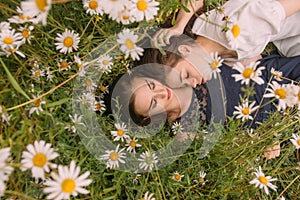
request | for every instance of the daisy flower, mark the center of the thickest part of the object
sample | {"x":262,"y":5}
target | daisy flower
{"x":176,"y":128}
{"x":5,"y":170}
{"x":296,"y":141}
{"x":37,"y":73}
{"x":215,"y":62}
{"x":177,"y":177}
{"x":67,"y":182}
{"x":123,"y":16}
{"x":4,"y":26}
{"x":49,"y":74}
{"x":76,"y":121}
{"x":37,"y":158}
{"x":248,"y":72}
{"x":26,"y":33}
{"x":264,"y":182}
{"x":148,"y":196}
{"x":104,"y":89}
{"x":277,"y":74}
{"x":244,"y":111}
{"x":105,"y":61}
{"x":80,"y":66}
{"x":120,"y":133}
{"x":90,"y":84}
{"x":131,"y":144}
{"x":279,"y":92}
{"x":4,"y":116}
{"x":144,"y":9}
{"x":114,"y":157}
{"x":202,"y":176}
{"x":99,"y":106}
{"x":37,"y":8}
{"x":127,"y":40}
{"x":67,"y":41}
{"x":233,"y":34}
{"x":63,"y":65}
{"x":93,"y":7}
{"x":87,"y":98}
{"x":8,"y":51}
{"x":114,"y":6}
{"x":9,"y":39}
{"x":38,"y":102}
{"x":20,"y":18}
{"x":147,"y":161}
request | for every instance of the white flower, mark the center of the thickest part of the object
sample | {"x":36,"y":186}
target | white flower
{"x":104,"y":89}
{"x":293,"y":95}
{"x":9,"y":39}
{"x":37,"y":73}
{"x":67,"y":41}
{"x":114,"y":6}
{"x":148,"y":196}
{"x":244,"y":111}
{"x":36,"y":8}
{"x":144,"y":9}
{"x":2,"y":188}
{"x":67,"y":182}
{"x":99,"y":106}
{"x":90,"y":84}
{"x":113,"y":157}
{"x":38,"y":102}
{"x":296,"y":141}
{"x":76,"y":121}
{"x":248,"y":72}
{"x":4,"y":26}
{"x":177,"y":128}
{"x":5,"y":170}
{"x":127,"y":40}
{"x":87,"y":98}
{"x":177,"y":177}
{"x":132,"y":144}
{"x":49,"y":74}
{"x":63,"y":65}
{"x":80,"y":66}
{"x":277,"y":74}
{"x":233,"y":34}
{"x":202,"y":174}
{"x":214,"y":62}
{"x":264,"y":182}
{"x":5,"y":117}
{"x":93,"y":7}
{"x":279,"y":92}
{"x":37,"y":158}
{"x":26,"y":33}
{"x":147,"y":161}
{"x":120,"y":133}
{"x":124,"y":16}
{"x":20,"y":18}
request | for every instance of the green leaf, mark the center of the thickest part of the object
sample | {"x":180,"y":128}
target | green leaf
{"x":13,"y":81}
{"x":57,"y":103}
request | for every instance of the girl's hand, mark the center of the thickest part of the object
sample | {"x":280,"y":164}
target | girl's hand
{"x":162,"y":37}
{"x":272,"y":151}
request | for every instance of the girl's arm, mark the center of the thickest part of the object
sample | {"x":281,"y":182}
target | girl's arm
{"x":162,"y":37}
{"x":290,"y":6}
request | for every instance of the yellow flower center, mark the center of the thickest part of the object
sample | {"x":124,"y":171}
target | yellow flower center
{"x":263,"y":180}
{"x":105,"y":62}
{"x":298,"y":142}
{"x":63,"y":64}
{"x":88,"y":82}
{"x":246,"y":111}
{"x":125,"y":17}
{"x":41,"y":5}
{"x":114,"y":156}
{"x":129,"y":44}
{"x":37,"y":73}
{"x":247,"y":73}
{"x":37,"y":102}
{"x":68,"y":185}
{"x":142,"y":5}
{"x":25,"y":33}
{"x":236,"y":30}
{"x":93,"y":5}
{"x":8,"y":40}
{"x":79,"y":65}
{"x":103,"y":88}
{"x":39,"y":159}
{"x":177,"y":177}
{"x":214,"y":65}
{"x":120,"y":132}
{"x":132,"y":143}
{"x":98,"y":106}
{"x":281,"y":93}
{"x":68,"y":41}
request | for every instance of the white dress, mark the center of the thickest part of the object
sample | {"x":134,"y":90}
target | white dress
{"x":256,"y":23}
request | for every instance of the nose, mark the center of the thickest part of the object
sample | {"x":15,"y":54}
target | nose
{"x":159,"y":92}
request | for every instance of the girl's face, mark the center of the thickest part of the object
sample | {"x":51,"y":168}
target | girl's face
{"x":152,"y":97}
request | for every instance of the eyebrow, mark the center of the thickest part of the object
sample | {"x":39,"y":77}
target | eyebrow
{"x":152,"y":98}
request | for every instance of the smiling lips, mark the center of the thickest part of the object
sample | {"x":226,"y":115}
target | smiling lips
{"x":169,"y":93}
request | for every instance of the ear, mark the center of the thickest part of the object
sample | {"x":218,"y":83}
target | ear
{"x":184,"y":49}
